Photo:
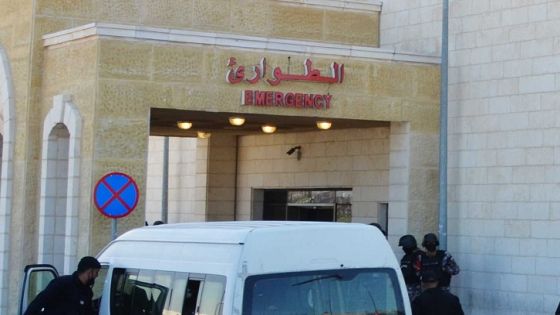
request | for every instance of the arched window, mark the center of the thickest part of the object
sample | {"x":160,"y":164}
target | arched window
{"x":54,"y":197}
{"x":58,"y":218}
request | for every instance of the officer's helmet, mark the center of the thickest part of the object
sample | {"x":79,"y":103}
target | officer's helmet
{"x":430,"y":238}
{"x":408,"y":241}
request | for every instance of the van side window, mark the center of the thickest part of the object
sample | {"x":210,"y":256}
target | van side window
{"x":177,"y":294}
{"x":122,"y":290}
{"x":155,"y":292}
{"x":212,"y":295}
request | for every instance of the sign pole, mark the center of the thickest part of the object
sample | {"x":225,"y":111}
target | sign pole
{"x":113,"y":229}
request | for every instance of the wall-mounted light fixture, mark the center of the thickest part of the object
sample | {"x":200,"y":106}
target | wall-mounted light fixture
{"x":268,"y":128}
{"x":203,"y":134}
{"x":236,"y":121}
{"x":323,"y":124}
{"x":184,"y":125}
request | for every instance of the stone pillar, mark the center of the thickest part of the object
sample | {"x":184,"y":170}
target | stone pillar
{"x":120,"y":144}
{"x":399,"y":176}
{"x":215,"y":191}
{"x":413,"y":180}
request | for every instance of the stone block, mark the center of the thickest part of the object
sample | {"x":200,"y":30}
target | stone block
{"x":545,"y":266}
{"x":352,"y":27}
{"x":121,"y":139}
{"x":537,"y":83}
{"x":211,"y":14}
{"x":293,"y":22}
{"x":122,"y":11}
{"x":427,"y":83}
{"x":169,"y":13}
{"x":174,"y":63}
{"x":65,"y":66}
{"x":250,"y":17}
{"x":125,"y":60}
{"x":67,"y":8}
{"x":357,"y":74}
{"x":391,"y":79}
{"x":131,"y":99}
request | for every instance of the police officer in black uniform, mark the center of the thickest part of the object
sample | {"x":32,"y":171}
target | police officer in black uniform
{"x":439,"y":261}
{"x":434,"y":300}
{"x":69,"y":294}
{"x":409,"y":265}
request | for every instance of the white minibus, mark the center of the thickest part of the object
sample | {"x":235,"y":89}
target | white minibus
{"x":249,"y":268}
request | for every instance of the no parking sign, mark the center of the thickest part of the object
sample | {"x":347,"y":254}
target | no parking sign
{"x":115,"y":196}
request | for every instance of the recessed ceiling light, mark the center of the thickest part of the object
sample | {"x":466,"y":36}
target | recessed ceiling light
{"x":184,"y":125}
{"x":323,"y":124}
{"x":236,"y":120}
{"x":268,"y":128}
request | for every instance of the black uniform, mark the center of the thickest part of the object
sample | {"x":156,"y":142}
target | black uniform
{"x":65,"y":295}
{"x":409,"y":268}
{"x":436,"y":301}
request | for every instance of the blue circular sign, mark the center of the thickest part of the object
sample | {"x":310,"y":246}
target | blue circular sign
{"x":116,"y":195}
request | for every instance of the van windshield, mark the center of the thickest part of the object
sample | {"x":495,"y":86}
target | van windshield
{"x":328,"y":292}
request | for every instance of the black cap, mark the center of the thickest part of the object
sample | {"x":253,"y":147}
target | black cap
{"x":88,"y":262}
{"x":429,"y":276}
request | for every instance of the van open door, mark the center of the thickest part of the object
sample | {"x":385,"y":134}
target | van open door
{"x":35,"y":279}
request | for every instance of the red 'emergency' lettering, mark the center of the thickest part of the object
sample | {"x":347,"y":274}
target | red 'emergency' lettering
{"x":290,"y":99}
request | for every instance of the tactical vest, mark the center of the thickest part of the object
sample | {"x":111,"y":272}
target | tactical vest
{"x":435,"y":263}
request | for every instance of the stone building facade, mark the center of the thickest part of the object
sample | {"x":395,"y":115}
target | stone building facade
{"x":85,"y":84}
{"x":504,"y":101}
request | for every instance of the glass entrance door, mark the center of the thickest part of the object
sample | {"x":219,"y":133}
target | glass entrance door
{"x":325,"y":205}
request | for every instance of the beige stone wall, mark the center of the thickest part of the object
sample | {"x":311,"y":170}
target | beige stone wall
{"x":348,"y":158}
{"x":155,"y":74}
{"x":15,"y":38}
{"x":71,"y":69}
{"x":266,"y":18}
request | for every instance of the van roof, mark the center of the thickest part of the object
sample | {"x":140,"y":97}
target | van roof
{"x":252,"y":247}
{"x":227,"y":232}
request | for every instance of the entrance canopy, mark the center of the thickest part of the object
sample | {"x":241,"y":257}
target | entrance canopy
{"x":163,"y":122}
